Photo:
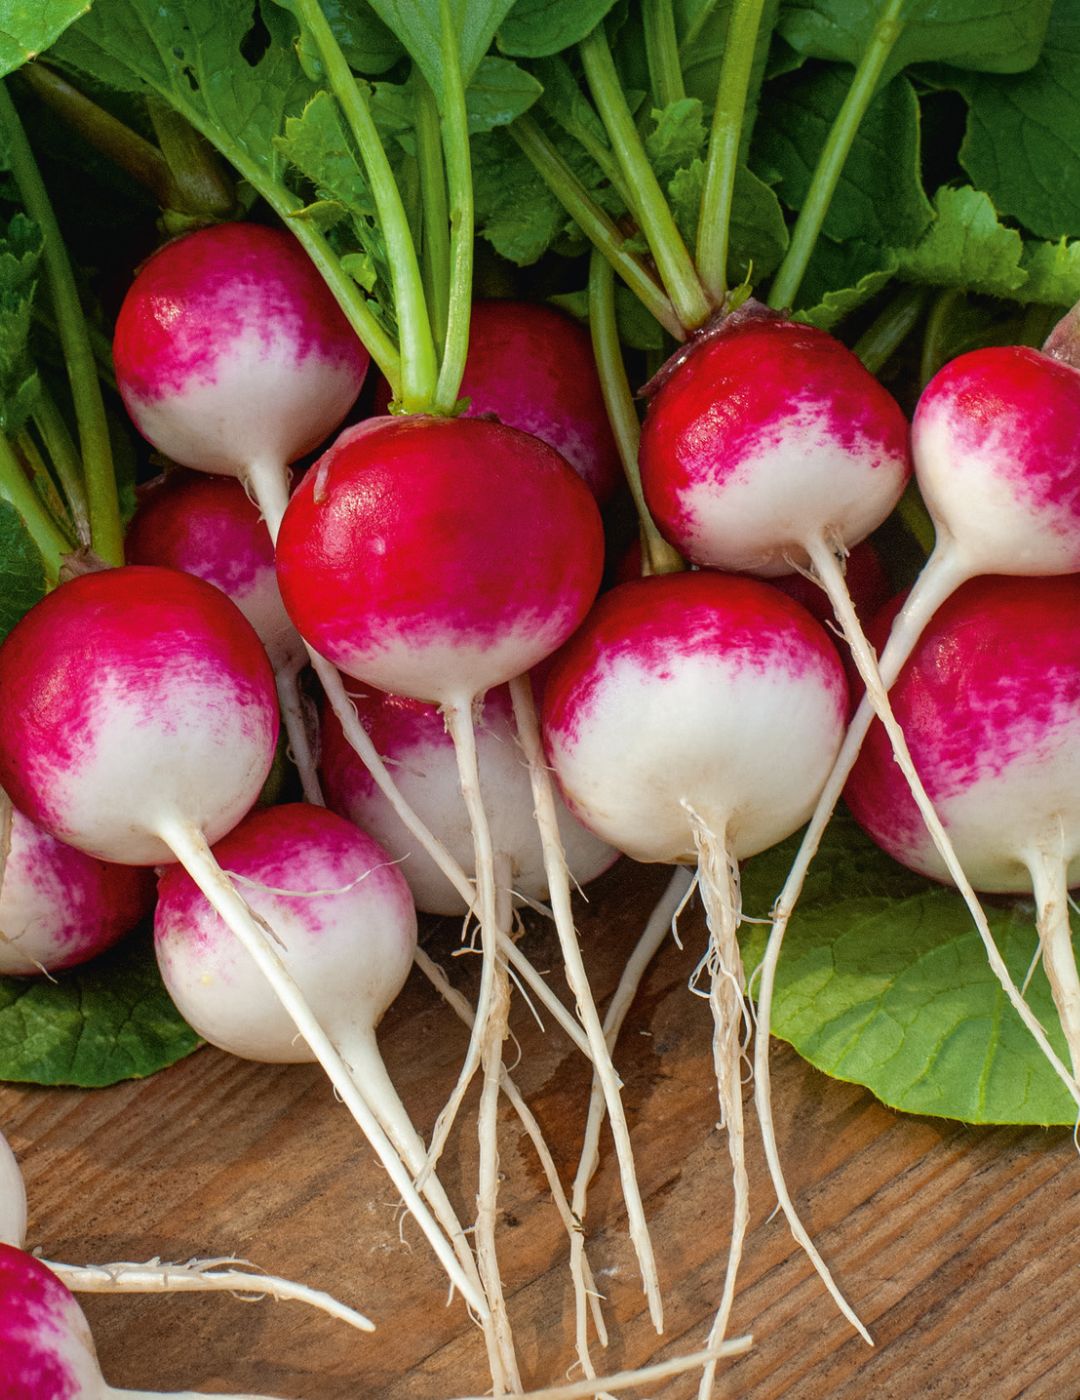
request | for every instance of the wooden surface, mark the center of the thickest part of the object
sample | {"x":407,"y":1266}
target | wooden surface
{"x":959,"y":1247}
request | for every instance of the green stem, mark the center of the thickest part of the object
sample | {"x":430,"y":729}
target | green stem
{"x":593,"y":147}
{"x":834,"y":154}
{"x":673,"y":262}
{"x":435,"y":213}
{"x":597,"y":227}
{"x":64,"y":455}
{"x":455,"y":139}
{"x":892,"y":326}
{"x":201,"y":187}
{"x":662,"y":52}
{"x":419,"y":368}
{"x":40,"y":478}
{"x":692,"y":32}
{"x":934,"y":354}
{"x":17,"y":491}
{"x":658,"y":555}
{"x":725,"y":138}
{"x":95,"y":448}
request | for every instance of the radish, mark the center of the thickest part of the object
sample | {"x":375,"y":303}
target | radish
{"x":58,"y":906}
{"x":196,"y":1276}
{"x":990,"y":703}
{"x":206,"y":526}
{"x":693,"y":719}
{"x":45,"y":1339}
{"x":232,"y":355}
{"x":156,"y":751}
{"x":439,"y":558}
{"x":532,"y":367}
{"x":412,"y":737}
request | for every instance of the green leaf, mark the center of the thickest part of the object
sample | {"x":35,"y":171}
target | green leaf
{"x":20,"y":256}
{"x":1022,"y":143}
{"x":1053,"y":273}
{"x":758,"y":233}
{"x":416,"y":23}
{"x":883,"y":981}
{"x":1003,"y":38}
{"x":966,"y":246}
{"x":499,"y":92}
{"x":702,"y":27}
{"x":676,"y":137}
{"x":368,"y":45}
{"x":95,"y":1025}
{"x":22,"y":572}
{"x":28,"y":29}
{"x":840,"y":279}
{"x":880,"y":197}
{"x":541,"y":28}
{"x":637,"y":329}
{"x":515,"y":210}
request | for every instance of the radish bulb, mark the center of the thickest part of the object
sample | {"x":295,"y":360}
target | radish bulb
{"x":155,"y":752}
{"x":436,"y":559}
{"x":233,"y":357}
{"x":45,"y":1339}
{"x":12,"y":1198}
{"x":207,"y":526}
{"x":692,"y":720}
{"x":58,"y":906}
{"x":990,"y":703}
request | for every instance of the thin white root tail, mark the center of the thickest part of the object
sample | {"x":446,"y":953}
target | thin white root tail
{"x":201,"y":1276}
{"x":1049,"y":882}
{"x":296,"y":728}
{"x":559,"y":891}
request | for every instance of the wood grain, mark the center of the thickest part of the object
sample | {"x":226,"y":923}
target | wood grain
{"x":959,"y":1247}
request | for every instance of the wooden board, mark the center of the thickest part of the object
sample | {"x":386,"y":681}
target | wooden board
{"x":959,"y":1247}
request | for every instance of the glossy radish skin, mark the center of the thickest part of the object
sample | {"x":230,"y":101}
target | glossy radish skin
{"x":207,"y":526}
{"x":230,"y":350}
{"x":45,"y":1343}
{"x":996,"y":443}
{"x":768,"y":434}
{"x":697,"y":688}
{"x":533,"y":367}
{"x":438,"y":558}
{"x":59,"y":907}
{"x":412,"y":737}
{"x":12,"y":1198}
{"x":990,"y":704}
{"x":133,"y":695}
{"x":337,"y":901}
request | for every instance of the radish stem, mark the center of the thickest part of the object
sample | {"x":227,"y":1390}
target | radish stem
{"x":455,"y":140}
{"x":662,"y":52}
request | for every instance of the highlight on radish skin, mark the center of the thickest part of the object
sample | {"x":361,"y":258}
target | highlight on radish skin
{"x":45,"y":1340}
{"x":231,"y":354}
{"x":58,"y":906}
{"x":990,"y":703}
{"x":411,"y":736}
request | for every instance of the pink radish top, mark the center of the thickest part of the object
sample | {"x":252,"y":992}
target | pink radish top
{"x":133,"y":695}
{"x":699,"y":689}
{"x":207,"y":526}
{"x":990,"y":705}
{"x":412,"y":737}
{"x":996,"y":441}
{"x":437,"y":557}
{"x":46,"y":1350}
{"x":59,"y":907}
{"x":767,"y":434}
{"x":334,"y":897}
{"x":533,"y":368}
{"x":230,"y":349}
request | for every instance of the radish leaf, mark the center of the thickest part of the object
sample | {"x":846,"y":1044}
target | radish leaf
{"x":22,"y":572}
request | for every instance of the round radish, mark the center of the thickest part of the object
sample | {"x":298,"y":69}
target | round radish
{"x":412,"y":736}
{"x":232,"y":355}
{"x":207,"y":526}
{"x":693,"y":718}
{"x":990,"y":703}
{"x":12,"y":1198}
{"x":60,"y":907}
{"x":532,"y":367}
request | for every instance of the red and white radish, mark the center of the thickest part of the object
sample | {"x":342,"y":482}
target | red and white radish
{"x":990,"y":704}
{"x":233,"y":357}
{"x":412,"y":737}
{"x":154,"y":752}
{"x":207,"y":526}
{"x":12,"y":1198}
{"x":45,"y":1341}
{"x":693,"y":719}
{"x":532,"y":367}
{"x":59,"y":906}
